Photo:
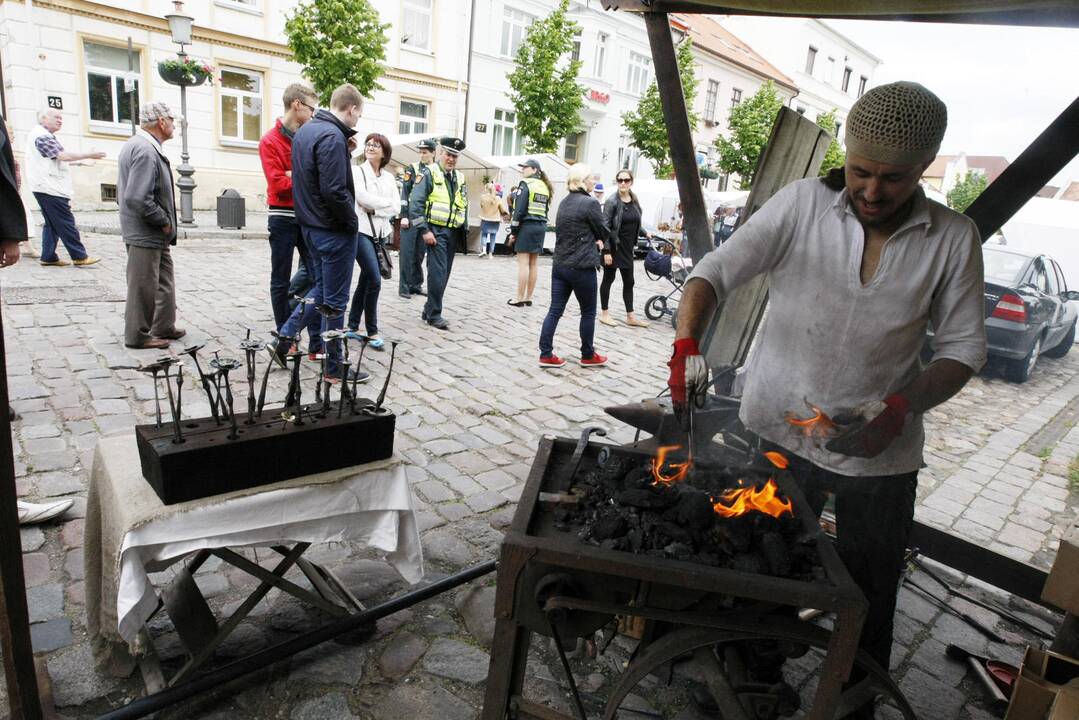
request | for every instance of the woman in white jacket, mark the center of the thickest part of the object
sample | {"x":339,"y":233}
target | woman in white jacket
{"x":377,"y":200}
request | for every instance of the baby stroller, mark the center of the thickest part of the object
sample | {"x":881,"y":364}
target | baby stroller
{"x":664,"y":261}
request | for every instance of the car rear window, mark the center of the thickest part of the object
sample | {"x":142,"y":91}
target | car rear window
{"x":1003,"y":266}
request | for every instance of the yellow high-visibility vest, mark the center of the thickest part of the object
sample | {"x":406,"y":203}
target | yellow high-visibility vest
{"x":441,"y":209}
{"x":539,"y":197}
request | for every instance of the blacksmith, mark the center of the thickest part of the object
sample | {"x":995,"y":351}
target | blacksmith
{"x":858,"y":264}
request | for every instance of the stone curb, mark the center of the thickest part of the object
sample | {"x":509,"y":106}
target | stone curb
{"x":183,"y":234}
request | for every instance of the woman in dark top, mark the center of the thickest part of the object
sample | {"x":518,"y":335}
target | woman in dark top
{"x":580,"y":236}
{"x":622,"y":212}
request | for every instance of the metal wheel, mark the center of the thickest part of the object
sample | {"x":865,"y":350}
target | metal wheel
{"x":1019,"y":371}
{"x":655,"y":307}
{"x":792,"y":698}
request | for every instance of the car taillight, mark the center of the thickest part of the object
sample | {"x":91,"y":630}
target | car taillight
{"x":1011,"y":307}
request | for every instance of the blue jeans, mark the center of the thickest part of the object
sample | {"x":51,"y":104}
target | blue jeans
{"x":285,"y":238}
{"x":439,"y":265}
{"x":488,"y":233}
{"x":59,"y":225}
{"x":566,"y":281}
{"x":332,"y":255}
{"x":365,"y":299}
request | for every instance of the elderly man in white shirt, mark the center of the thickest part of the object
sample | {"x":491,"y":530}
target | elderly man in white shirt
{"x":377,"y":200}
{"x":858,"y":264}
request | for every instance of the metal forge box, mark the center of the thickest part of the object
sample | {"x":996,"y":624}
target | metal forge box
{"x":552,"y":583}
{"x":207,"y":461}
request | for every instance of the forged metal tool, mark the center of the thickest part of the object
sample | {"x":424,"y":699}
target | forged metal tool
{"x":578,"y":453}
{"x":193,"y":351}
{"x":359,"y":362}
{"x":251,"y":348}
{"x":174,"y":408}
{"x":328,"y":337}
{"x":179,"y":401}
{"x":295,"y":391}
{"x":224,"y":366}
{"x":154,"y":368}
{"x":389,"y":372}
{"x":344,"y":374}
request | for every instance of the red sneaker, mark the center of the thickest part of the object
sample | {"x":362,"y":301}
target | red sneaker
{"x":596,"y":360}
{"x":551,"y":362}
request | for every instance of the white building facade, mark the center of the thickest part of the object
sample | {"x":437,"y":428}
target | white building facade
{"x":830,"y":70}
{"x":73,"y":54}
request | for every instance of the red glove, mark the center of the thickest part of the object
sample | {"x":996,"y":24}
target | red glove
{"x":689,"y":373}
{"x":875,"y":436}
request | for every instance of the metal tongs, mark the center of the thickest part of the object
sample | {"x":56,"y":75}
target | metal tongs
{"x":694,"y":402}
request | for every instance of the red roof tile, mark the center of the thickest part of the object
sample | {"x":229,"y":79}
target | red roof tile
{"x":711,"y":37}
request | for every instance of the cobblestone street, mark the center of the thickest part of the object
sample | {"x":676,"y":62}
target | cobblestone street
{"x":471,"y":407}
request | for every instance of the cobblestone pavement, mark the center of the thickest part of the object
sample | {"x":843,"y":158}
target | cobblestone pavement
{"x":471,"y":407}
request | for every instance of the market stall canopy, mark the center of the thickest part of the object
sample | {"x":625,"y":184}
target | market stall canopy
{"x":405,"y":152}
{"x":1064,"y":13}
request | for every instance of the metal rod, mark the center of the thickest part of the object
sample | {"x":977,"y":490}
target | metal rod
{"x":262,"y":389}
{"x":233,"y":434}
{"x":157,"y":399}
{"x":173,"y":409}
{"x":226,"y":673}
{"x":344,"y":376}
{"x":194,"y":353}
{"x":179,"y":403}
{"x":389,"y":373}
{"x":356,"y":376}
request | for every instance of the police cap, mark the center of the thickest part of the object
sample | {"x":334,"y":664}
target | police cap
{"x":532,"y":163}
{"x":452,"y":145}
{"x":426,"y":144}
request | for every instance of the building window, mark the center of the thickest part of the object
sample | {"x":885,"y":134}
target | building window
{"x":861,"y":85}
{"x":601,"y":54}
{"x":241,"y":105}
{"x":505,"y":140}
{"x":416,"y":24}
{"x":110,"y":85}
{"x":413,"y":117}
{"x":638,"y":73}
{"x":736,"y":97}
{"x":710,"y":98}
{"x":514,"y":28}
{"x":574,"y":147}
{"x":846,"y":78}
{"x":575,"y":53}
{"x":831,"y":70}
{"x":811,"y":59}
{"x":627,"y":155}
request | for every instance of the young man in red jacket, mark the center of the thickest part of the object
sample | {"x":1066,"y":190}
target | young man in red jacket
{"x":275,"y":152}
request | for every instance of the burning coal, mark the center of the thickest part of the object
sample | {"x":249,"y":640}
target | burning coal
{"x":665,"y":471}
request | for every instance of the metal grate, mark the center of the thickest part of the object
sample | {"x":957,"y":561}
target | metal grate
{"x":108,"y":193}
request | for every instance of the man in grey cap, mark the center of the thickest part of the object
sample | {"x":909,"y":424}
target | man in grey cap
{"x":413,"y":249}
{"x":144,"y":192}
{"x":858,"y":263}
{"x":438,"y":210}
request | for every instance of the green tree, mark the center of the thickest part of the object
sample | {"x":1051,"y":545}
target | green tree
{"x":966,"y":191}
{"x":338,"y":41}
{"x":646,"y":125}
{"x":750,"y":125}
{"x":544,"y":89}
{"x":834,"y":156}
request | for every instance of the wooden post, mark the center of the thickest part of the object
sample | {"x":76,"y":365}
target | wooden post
{"x":683,"y":157}
{"x":1045,"y":157}
{"x":18,"y":652}
{"x":794,"y":151}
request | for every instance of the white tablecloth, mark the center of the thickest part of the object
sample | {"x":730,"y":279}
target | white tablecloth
{"x":369,"y":504}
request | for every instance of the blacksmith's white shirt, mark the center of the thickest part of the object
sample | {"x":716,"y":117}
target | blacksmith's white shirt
{"x":828,"y":339}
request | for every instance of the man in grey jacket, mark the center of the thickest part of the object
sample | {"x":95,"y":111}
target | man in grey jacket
{"x":144,"y":189}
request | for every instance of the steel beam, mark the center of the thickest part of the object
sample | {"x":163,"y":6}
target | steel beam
{"x":694,"y":215}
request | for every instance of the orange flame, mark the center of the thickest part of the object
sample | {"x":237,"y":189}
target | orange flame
{"x":818,"y":426}
{"x":676,"y":471}
{"x":777,"y":459}
{"x":735,"y":503}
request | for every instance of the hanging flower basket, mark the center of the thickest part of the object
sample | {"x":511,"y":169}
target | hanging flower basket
{"x":189,"y":72}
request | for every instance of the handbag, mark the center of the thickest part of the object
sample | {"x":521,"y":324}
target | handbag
{"x":385,"y":265}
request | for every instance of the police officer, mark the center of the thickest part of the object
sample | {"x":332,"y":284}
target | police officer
{"x":438,"y":210}
{"x":410,"y":277}
{"x":529,"y":226}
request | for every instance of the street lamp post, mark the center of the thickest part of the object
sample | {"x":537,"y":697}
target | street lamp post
{"x":180,"y":28}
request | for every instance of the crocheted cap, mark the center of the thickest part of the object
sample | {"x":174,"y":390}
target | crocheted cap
{"x":900,"y":124}
{"x":152,"y":111}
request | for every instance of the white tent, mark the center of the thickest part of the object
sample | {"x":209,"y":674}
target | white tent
{"x":1048,"y":226}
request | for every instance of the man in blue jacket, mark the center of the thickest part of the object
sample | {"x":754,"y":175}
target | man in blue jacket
{"x":325,"y":203}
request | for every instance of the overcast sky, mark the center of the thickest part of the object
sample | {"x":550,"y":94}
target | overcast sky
{"x":1002,"y":85}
